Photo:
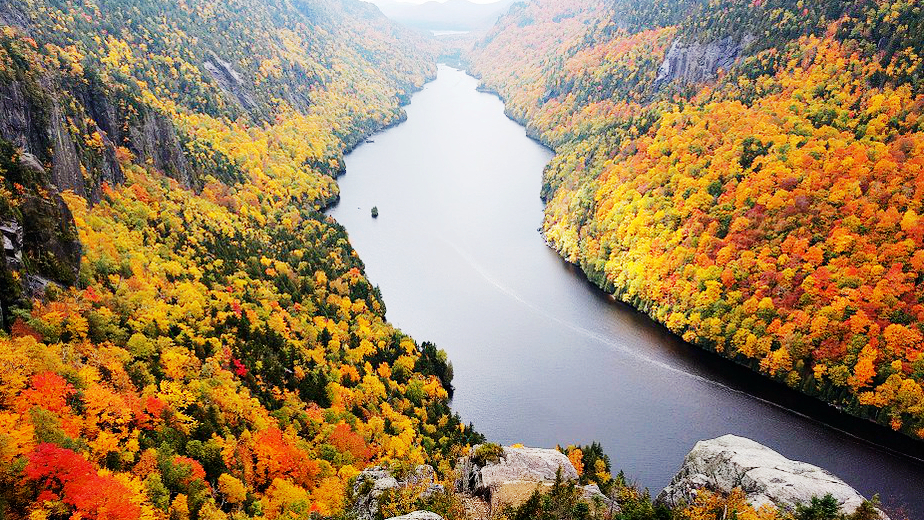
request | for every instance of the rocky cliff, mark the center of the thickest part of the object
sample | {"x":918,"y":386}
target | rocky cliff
{"x":75,"y":129}
{"x":692,"y":62}
{"x":39,"y":238}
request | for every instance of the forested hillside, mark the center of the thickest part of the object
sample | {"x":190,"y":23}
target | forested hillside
{"x":187,"y":335}
{"x":749,"y":173}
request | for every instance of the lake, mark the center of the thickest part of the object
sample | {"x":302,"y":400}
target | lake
{"x":541,"y":356}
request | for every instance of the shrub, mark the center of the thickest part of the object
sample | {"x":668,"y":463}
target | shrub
{"x":487,"y":452}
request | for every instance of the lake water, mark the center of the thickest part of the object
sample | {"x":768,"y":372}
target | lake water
{"x":542,"y":357}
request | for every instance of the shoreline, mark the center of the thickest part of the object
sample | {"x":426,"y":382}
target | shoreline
{"x":805,"y":405}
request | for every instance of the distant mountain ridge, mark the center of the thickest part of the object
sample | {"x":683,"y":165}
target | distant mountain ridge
{"x":454,"y":15}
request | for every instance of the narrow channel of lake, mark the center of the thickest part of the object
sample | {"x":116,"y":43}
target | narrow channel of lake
{"x":541,"y":357}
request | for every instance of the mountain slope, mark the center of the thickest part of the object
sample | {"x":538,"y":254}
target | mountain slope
{"x":187,"y":335}
{"x":748,"y":173}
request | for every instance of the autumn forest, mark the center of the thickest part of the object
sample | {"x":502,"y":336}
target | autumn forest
{"x":772,"y":214}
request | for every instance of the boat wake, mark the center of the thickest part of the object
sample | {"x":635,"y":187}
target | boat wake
{"x":600,"y":338}
{"x":627,"y":351}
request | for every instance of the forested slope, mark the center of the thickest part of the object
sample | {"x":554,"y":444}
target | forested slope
{"x":749,"y":173}
{"x":187,"y":335}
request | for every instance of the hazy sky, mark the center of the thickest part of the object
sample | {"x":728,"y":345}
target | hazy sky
{"x":441,"y":1}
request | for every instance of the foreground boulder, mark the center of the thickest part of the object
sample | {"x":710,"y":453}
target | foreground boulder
{"x":372,"y":482}
{"x":509,"y":475}
{"x":764,"y":475}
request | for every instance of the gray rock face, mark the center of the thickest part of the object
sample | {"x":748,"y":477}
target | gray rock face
{"x":369,"y":486}
{"x":11,"y":232}
{"x":766,"y":477}
{"x":38,"y":128}
{"x":513,"y":478}
{"x":31,"y":162}
{"x":156,"y":138}
{"x":65,"y":165}
{"x":372,"y":482}
{"x":33,"y":119}
{"x":230,"y":82}
{"x":431,"y":490}
{"x":12,"y":16}
{"x":21,"y":119}
{"x":593,"y":494}
{"x":694,"y":62}
{"x":418,"y":515}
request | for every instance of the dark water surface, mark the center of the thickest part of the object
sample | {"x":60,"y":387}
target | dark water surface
{"x":541,"y":357}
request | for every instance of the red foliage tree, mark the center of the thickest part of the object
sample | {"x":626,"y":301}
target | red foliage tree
{"x":347,"y":441}
{"x":66,"y":476}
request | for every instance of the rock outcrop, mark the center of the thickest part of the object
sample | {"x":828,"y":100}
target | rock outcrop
{"x":39,"y":238}
{"x":695,"y":62}
{"x":230,"y":82}
{"x":766,"y":477}
{"x":592,"y":494}
{"x":372,"y":482}
{"x":512,"y":478}
{"x":11,"y":233}
{"x":418,"y":515}
{"x":12,"y":15}
{"x":33,"y":118}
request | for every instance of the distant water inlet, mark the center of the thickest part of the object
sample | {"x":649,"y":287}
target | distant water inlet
{"x":540,"y":356}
